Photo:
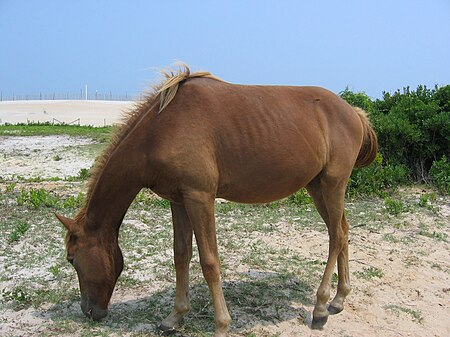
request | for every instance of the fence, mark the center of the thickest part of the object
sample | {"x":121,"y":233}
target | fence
{"x":70,"y":96}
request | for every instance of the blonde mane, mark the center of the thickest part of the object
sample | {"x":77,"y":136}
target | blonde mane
{"x":168,"y":89}
{"x":162,"y":93}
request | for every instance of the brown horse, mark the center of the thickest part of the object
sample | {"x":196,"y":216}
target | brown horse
{"x":197,"y":138}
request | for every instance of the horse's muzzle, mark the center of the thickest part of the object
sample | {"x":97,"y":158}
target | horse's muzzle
{"x":93,"y":311}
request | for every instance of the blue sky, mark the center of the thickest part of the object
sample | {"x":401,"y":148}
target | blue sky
{"x":371,"y":46}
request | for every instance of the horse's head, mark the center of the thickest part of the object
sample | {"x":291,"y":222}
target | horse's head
{"x":98,"y":261}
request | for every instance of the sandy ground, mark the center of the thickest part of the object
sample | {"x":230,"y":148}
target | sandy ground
{"x":416,"y":268}
{"x":45,"y":156}
{"x":97,"y":113}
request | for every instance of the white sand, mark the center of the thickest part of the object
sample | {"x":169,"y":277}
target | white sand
{"x":97,"y":113}
{"x":45,"y":156}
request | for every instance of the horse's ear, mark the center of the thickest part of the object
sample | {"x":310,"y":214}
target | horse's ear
{"x":67,"y":222}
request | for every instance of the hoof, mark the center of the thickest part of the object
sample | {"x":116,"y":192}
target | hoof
{"x":318,"y":322}
{"x":334,"y":310}
{"x":166,"y":330}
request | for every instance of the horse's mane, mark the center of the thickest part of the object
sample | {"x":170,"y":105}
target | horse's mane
{"x":162,"y":93}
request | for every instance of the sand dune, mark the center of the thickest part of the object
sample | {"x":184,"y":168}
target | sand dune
{"x":97,"y":113}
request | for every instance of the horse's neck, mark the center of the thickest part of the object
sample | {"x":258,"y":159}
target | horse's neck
{"x":112,"y":194}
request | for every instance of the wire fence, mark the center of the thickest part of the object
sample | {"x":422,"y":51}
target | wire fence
{"x":71,"y":96}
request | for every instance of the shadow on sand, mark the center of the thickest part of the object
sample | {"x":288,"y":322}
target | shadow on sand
{"x":262,"y":299}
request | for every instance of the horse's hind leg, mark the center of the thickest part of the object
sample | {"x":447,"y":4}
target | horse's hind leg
{"x":182,"y":247}
{"x":344,"y":288}
{"x":328,"y":195}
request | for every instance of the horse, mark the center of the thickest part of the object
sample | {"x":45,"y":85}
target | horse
{"x":196,"y":138}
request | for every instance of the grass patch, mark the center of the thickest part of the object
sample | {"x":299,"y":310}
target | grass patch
{"x":147,"y":198}
{"x":369,"y":273}
{"x":415,"y":314}
{"x":426,"y":199}
{"x":100,"y":134}
{"x":36,"y":198}
{"x":23,"y":297}
{"x":300,"y":198}
{"x":20,"y":229}
{"x":394,"y":207}
{"x":20,"y":297}
{"x":434,"y":235}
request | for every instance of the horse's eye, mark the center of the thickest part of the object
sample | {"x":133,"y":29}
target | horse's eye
{"x":73,"y":239}
{"x":70,"y":260}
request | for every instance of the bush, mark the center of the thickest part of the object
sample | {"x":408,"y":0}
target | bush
{"x":394,"y":207}
{"x":358,"y":99}
{"x":440,"y":174}
{"x":39,"y":198}
{"x":413,"y":126}
{"x":35,"y":198}
{"x":376,"y":178}
{"x":300,"y":198}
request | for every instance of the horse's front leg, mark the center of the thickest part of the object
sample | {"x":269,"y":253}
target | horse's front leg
{"x":200,"y":209}
{"x":182,"y":247}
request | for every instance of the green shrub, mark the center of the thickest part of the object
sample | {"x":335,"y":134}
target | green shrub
{"x":369,"y":273}
{"x":84,"y":174}
{"x":412,"y":126}
{"x":394,"y":207}
{"x":440,"y":173}
{"x":20,"y":229}
{"x":74,"y":201}
{"x":300,"y":198}
{"x":35,"y":198}
{"x":358,"y":99}
{"x":376,"y":178}
{"x":19,"y":296}
{"x":159,"y":202}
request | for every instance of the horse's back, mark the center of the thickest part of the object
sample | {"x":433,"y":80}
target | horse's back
{"x":254,"y":143}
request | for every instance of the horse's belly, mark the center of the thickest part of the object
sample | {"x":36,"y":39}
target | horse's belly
{"x":265,"y":185}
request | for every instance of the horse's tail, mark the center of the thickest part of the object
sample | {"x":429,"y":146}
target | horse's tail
{"x":369,"y":147}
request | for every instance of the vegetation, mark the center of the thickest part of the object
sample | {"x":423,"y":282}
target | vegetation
{"x":101,"y":134}
{"x":369,"y":273}
{"x":413,"y":129}
{"x":37,"y":198}
{"x":20,"y":229}
{"x":416,"y":315}
{"x":440,"y":173}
